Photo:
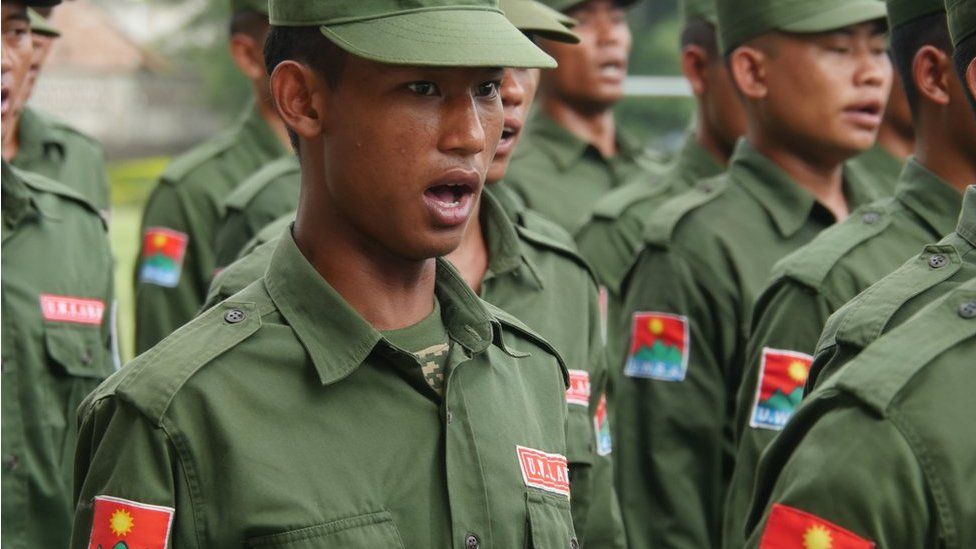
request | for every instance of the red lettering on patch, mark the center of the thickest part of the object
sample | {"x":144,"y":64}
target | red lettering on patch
{"x":544,"y":471}
{"x":579,"y":388}
{"x":62,"y":308}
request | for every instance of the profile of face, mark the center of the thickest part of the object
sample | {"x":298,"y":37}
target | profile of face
{"x":16,"y":58}
{"x":591,"y":74}
{"x":721,"y":104}
{"x":41,"y":49}
{"x":517,"y":92}
{"x":825,"y":93}
{"x":405,"y":151}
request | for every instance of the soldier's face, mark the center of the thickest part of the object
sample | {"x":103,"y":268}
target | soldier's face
{"x":406,"y":152}
{"x":828,"y":91}
{"x":722,"y":105}
{"x":518,"y":92}
{"x":591,"y":74}
{"x":16,"y":54}
{"x":41,"y":48}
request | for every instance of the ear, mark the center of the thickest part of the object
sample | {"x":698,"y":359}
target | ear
{"x":930,"y":73}
{"x":694,"y":61}
{"x":248,"y":55}
{"x":748,"y":66}
{"x":971,"y":78}
{"x":299,"y":96}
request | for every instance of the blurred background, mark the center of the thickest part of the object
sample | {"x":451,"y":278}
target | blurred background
{"x":151,"y":78}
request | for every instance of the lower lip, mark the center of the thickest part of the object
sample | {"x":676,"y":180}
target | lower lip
{"x":863,"y":119}
{"x":6,"y":105}
{"x":613,"y":74}
{"x":506,"y":145}
{"x":450,"y":215}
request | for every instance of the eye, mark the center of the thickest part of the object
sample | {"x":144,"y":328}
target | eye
{"x":426,"y":89}
{"x":489,"y":89}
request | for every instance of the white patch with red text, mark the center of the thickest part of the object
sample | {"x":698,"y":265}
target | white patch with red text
{"x":544,"y":471}
{"x":579,"y":388}
{"x":62,"y":308}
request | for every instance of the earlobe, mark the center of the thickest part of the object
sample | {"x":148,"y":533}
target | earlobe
{"x":694,"y":61}
{"x":295,"y":89}
{"x":748,"y":67}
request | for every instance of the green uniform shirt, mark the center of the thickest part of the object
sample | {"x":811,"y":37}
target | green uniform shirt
{"x":898,"y":296}
{"x":689,"y":298}
{"x":808,"y":286}
{"x":882,"y":167}
{"x":885,"y":450}
{"x":282,"y":419}
{"x":267,"y":195}
{"x":561,"y":176}
{"x":534,"y":273}
{"x":60,"y":152}
{"x":180,"y":220}
{"x":57,"y":346}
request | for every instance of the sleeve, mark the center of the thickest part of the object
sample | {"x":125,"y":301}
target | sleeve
{"x":127,"y":467}
{"x":789,"y":319}
{"x":850,"y":478}
{"x":672,"y":403}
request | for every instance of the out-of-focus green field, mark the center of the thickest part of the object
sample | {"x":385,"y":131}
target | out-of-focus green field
{"x":131,"y":183}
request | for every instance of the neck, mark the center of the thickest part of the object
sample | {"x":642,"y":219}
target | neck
{"x":945,"y":158}
{"x":270,"y":116}
{"x":896,"y":142}
{"x":388,"y":291}
{"x":823,"y":179}
{"x":471,"y":257}
{"x":596,"y":127}
{"x":11,"y":141}
{"x":708,"y":139}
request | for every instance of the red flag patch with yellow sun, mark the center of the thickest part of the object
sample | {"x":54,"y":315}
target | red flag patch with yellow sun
{"x":123,"y":524}
{"x":791,"y":528}
{"x":658,"y":347}
{"x":782,"y":375}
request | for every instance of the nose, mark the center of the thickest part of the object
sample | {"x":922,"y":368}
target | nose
{"x":608,"y":31}
{"x":513,"y":92}
{"x":873,"y":70}
{"x":463,"y":126}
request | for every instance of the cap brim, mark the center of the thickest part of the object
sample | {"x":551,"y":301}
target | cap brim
{"x":534,"y":18}
{"x":440,"y":38}
{"x":848,"y":14}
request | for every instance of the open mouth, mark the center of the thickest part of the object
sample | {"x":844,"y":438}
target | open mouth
{"x":613,"y":69}
{"x":866,"y":113}
{"x":5,"y":94}
{"x":510,"y":132}
{"x":450,"y":202}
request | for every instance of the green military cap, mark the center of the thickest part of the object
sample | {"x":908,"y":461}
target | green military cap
{"x":532,"y":17}
{"x":41,"y":3}
{"x":563,"y":5}
{"x":962,"y":19}
{"x":901,"y":12}
{"x":260,"y":6}
{"x":40,"y":25}
{"x":742,"y":20}
{"x":699,"y":9}
{"x":445,"y":33}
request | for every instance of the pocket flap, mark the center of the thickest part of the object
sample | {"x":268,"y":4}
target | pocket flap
{"x":78,"y":350}
{"x":550,"y":522}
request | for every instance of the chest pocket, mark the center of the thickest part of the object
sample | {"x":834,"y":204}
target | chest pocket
{"x":78,"y":350}
{"x":362,"y":532}
{"x":550,"y":523}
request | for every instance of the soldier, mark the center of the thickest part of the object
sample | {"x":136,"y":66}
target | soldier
{"x":177,"y":257}
{"x":896,"y":141}
{"x":39,"y":143}
{"x":708,"y":252}
{"x":57,"y":317}
{"x":843,"y":261}
{"x":359,"y":394}
{"x":612,"y":237}
{"x":574,"y":152}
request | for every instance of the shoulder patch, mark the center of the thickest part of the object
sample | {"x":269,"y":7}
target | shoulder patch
{"x":121,"y":523}
{"x":601,"y":424}
{"x":617,"y":201}
{"x":661,"y":227}
{"x":163,"y":251}
{"x":790,"y":527}
{"x":519,"y":327}
{"x":579,"y":388}
{"x":659,"y":347}
{"x":183,"y":164}
{"x":782,"y":375}
{"x":240,"y":197}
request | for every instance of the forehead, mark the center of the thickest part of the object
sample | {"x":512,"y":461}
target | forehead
{"x":14,"y":11}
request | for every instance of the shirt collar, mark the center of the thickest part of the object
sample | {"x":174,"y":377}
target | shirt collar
{"x":566,"y":149}
{"x":928,"y":196}
{"x":337,"y":338}
{"x":35,"y":136}
{"x":694,"y":162}
{"x":253,"y":125}
{"x":17,"y":202}
{"x":506,"y":254}
{"x":967,"y":219}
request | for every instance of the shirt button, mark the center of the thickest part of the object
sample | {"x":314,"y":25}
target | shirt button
{"x":471,"y":542}
{"x":968,"y":310}
{"x":938,"y":261}
{"x":870,"y":218}
{"x":10,"y":462}
{"x":234,"y":316}
{"x":86,"y":358}
{"x":573,"y":544}
{"x":450,"y":417}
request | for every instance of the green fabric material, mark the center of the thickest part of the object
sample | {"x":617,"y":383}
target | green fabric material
{"x":261,"y":199}
{"x":702,"y":262}
{"x":429,"y":342}
{"x":962,"y":19}
{"x":57,"y":151}
{"x":40,"y":25}
{"x":288,"y":378}
{"x":447,"y":33}
{"x":189,"y":199}
{"x":883,"y":449}
{"x":535,"y":18}
{"x":743,"y":20}
{"x":879,"y":166}
{"x":54,"y":244}
{"x":812,"y":283}
{"x":561,"y":176}
{"x":699,"y":9}
{"x":901,"y":12}
{"x":898,"y":296}
{"x":260,"y":6}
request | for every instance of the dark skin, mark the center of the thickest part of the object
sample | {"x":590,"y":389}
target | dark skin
{"x":247,"y":52}
{"x":897,"y":133}
{"x":393,"y":161}
{"x":582,"y":91}
{"x":945,"y":130}
{"x":41,"y":47}
{"x":841,"y":78}
{"x":16,"y":57}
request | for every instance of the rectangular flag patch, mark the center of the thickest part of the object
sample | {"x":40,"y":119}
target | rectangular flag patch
{"x":658,"y":347}
{"x":579,"y":388}
{"x":544,"y":471}
{"x":123,"y":524}
{"x":76,"y":310}
{"x":790,"y":528}
{"x":782,"y":375}
{"x":604,"y":444}
{"x":163,"y":251}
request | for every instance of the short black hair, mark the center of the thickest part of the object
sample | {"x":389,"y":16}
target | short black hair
{"x":308,"y":46}
{"x":906,"y":40}
{"x":249,"y":22}
{"x":963,"y":57}
{"x":700,"y":32}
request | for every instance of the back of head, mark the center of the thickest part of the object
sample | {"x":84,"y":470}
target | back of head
{"x":915,"y":24}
